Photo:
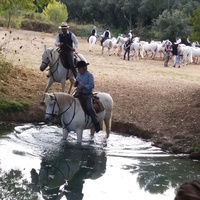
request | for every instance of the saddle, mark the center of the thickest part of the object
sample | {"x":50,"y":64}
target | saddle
{"x":97,"y":105}
{"x":64,"y":59}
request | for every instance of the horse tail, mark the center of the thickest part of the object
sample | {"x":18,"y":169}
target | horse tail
{"x":110,"y":44}
{"x":108,"y":114}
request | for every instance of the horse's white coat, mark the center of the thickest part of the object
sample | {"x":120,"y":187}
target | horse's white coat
{"x":92,"y":42}
{"x":57,"y":72}
{"x":73,"y":118}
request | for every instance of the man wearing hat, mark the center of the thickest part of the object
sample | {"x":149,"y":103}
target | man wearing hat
{"x":67,"y":42}
{"x":85,"y":84}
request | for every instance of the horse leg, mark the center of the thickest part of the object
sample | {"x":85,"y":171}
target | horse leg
{"x":109,"y":51}
{"x":50,"y":82}
{"x":79,"y":134}
{"x":65,"y":134}
{"x":92,"y":131}
{"x":63,"y":85}
{"x":102,"y":50}
{"x":107,"y":121}
{"x":71,"y":80}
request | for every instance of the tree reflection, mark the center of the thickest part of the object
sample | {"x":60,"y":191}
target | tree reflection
{"x":14,"y":187}
{"x":62,"y":174}
{"x":156,"y":175}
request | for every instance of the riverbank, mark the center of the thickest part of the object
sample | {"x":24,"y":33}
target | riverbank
{"x":150,"y":101}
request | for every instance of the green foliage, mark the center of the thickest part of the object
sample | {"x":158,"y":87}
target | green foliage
{"x":169,"y":25}
{"x":15,"y":8}
{"x":195,"y":148}
{"x":14,"y":186}
{"x":5,"y":69}
{"x":13,"y":106}
{"x":195,"y":19}
{"x":55,"y":12}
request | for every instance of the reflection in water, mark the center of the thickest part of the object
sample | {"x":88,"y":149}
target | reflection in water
{"x":127,"y":167}
{"x":157,"y":174}
{"x":63,"y":174}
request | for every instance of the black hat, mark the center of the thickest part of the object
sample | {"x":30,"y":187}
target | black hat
{"x":81,"y":64}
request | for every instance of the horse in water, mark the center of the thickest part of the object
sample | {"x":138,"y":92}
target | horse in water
{"x":57,"y":72}
{"x":92,"y":41}
{"x":73,"y":117}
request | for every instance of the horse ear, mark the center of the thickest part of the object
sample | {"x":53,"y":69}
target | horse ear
{"x":45,"y":47}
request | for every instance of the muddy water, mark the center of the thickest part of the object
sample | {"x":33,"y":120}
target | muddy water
{"x":36,"y":164}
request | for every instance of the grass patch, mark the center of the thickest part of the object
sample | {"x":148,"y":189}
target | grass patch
{"x":5,"y":70}
{"x":13,"y":106}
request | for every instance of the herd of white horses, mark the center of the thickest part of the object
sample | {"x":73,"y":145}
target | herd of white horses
{"x":142,"y":49}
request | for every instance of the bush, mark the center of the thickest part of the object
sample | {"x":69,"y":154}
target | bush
{"x":13,"y":106}
{"x":36,"y":25}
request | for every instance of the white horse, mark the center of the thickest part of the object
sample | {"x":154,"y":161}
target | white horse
{"x":149,"y":47}
{"x":136,"y":47}
{"x":116,"y":46}
{"x":187,"y":53}
{"x":73,"y":117}
{"x":57,"y":72}
{"x":108,"y":44}
{"x":92,"y":41}
{"x":195,"y":54}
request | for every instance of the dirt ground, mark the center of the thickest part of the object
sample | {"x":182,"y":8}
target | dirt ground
{"x":157,"y":103}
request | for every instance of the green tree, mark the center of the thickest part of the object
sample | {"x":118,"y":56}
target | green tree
{"x":169,"y":25}
{"x":55,"y":12}
{"x":14,"y":8}
{"x":195,"y":19}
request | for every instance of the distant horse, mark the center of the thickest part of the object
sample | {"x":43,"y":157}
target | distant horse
{"x":108,"y":44}
{"x":149,"y":47}
{"x":57,"y":72}
{"x":73,"y":117}
{"x":92,"y":41}
{"x":136,"y":47}
{"x":187,"y":53}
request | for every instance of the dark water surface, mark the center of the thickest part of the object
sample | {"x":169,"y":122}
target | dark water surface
{"x":34,"y":158}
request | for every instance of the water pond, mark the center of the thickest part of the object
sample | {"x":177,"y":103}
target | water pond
{"x":36,"y":164}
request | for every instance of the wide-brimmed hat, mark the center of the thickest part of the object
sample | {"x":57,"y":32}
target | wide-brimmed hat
{"x":81,"y":64}
{"x":64,"y":25}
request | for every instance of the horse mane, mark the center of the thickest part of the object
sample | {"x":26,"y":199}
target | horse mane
{"x":63,"y":98}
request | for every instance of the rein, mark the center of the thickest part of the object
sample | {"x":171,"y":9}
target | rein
{"x":60,"y":114}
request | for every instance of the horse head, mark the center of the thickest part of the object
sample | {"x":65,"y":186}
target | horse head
{"x":46,"y":58}
{"x":56,"y":103}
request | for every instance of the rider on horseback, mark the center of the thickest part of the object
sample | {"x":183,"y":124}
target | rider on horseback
{"x":106,"y":35}
{"x":67,"y":41}
{"x":85,"y":84}
{"x":93,"y":32}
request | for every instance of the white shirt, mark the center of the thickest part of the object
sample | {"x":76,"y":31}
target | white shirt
{"x":178,"y":41}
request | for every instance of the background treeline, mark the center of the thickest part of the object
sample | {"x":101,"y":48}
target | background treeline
{"x":149,"y":19}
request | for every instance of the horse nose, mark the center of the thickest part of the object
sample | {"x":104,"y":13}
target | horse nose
{"x":41,"y":68}
{"x":48,"y":119}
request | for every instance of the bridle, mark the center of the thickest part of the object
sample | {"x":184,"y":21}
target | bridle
{"x":50,"y":67}
{"x":60,"y":114}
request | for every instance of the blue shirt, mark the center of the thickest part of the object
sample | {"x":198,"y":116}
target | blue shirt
{"x":87,"y":80}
